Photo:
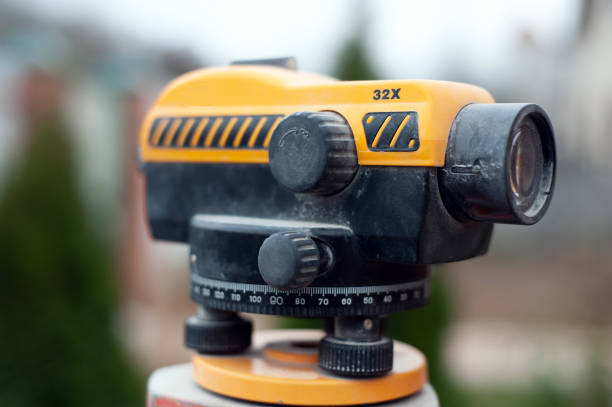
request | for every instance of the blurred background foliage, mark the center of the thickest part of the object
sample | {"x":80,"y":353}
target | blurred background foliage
{"x":59,"y":345}
{"x":90,"y":306}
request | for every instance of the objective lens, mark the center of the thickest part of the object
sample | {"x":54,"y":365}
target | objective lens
{"x":512,"y":147}
{"x":525,"y":162}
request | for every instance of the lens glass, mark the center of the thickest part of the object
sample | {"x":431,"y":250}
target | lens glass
{"x":525,"y":164}
{"x":522,"y":163}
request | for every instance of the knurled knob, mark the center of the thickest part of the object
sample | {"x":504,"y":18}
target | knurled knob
{"x":313,"y":152}
{"x":218,"y":336}
{"x":289,"y":260}
{"x":355,"y":358}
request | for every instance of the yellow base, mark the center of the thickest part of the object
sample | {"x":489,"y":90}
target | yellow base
{"x":282,"y":368}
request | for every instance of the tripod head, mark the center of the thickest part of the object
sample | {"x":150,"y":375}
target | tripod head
{"x":305,"y":196}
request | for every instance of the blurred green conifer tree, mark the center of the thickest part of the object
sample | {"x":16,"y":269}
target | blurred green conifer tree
{"x":58,"y":346}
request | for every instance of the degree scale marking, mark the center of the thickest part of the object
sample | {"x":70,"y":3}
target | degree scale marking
{"x":354,"y":300}
{"x":306,"y":290}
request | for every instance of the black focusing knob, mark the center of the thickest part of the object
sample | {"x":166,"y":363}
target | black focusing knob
{"x":289,"y":260}
{"x":313,"y":153}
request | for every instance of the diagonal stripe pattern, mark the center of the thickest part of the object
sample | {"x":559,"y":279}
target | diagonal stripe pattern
{"x":392,"y":131}
{"x":213,"y":132}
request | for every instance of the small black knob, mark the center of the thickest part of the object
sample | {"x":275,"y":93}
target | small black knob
{"x":313,"y":152}
{"x":354,"y":358}
{"x":218,"y":332}
{"x":289,"y":260}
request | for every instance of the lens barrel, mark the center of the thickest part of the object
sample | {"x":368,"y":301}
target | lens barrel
{"x":500,"y":164}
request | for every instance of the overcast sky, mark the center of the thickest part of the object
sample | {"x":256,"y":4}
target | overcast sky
{"x":405,"y":38}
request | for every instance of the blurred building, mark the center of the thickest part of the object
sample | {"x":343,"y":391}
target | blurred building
{"x":589,"y":99}
{"x":541,"y":312}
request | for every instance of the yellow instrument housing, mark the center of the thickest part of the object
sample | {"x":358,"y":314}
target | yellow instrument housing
{"x":255,"y":90}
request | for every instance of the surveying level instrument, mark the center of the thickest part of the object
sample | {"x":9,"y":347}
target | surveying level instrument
{"x":305,"y":196}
